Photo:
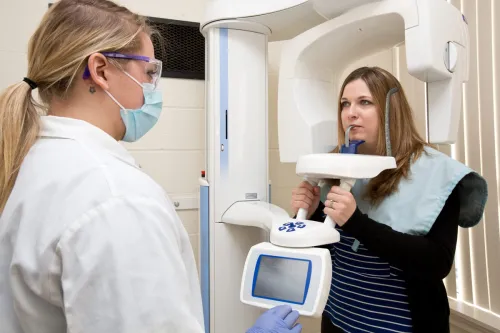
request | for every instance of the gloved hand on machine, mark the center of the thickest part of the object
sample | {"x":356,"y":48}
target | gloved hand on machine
{"x":280,"y":319}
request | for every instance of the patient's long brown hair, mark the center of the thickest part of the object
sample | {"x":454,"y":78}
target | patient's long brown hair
{"x":406,"y":143}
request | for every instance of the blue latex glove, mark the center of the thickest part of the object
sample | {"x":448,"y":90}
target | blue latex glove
{"x":280,"y":319}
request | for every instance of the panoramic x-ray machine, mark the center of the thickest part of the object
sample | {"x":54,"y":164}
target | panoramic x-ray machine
{"x":253,"y":254}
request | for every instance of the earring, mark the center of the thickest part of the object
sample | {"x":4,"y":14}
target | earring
{"x":92,"y":89}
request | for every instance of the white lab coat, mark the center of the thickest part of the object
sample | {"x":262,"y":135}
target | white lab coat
{"x":90,"y":244}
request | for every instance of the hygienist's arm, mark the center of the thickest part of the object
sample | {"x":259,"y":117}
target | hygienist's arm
{"x":122,"y":271}
{"x":424,"y":257}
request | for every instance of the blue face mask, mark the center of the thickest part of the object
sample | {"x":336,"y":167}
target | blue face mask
{"x":140,"y":121}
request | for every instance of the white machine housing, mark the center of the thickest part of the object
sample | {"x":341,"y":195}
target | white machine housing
{"x":337,"y":166}
{"x":237,"y":33}
{"x":276,"y":275}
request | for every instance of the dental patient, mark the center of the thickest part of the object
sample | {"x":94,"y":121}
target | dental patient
{"x":398,"y":230}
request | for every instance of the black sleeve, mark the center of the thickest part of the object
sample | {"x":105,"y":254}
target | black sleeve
{"x":318,"y":214}
{"x":424,"y":257}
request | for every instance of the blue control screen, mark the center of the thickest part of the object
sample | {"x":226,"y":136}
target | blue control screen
{"x":282,"y":279}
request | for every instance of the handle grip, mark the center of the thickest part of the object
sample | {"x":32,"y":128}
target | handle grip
{"x":302,"y":213}
{"x":346,"y":184}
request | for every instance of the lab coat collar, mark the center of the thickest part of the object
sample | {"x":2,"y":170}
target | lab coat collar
{"x":86,"y":133}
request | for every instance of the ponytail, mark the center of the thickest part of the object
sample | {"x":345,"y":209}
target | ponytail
{"x":70,"y":31}
{"x":19,"y":128}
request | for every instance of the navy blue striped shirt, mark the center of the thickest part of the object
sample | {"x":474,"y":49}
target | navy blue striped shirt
{"x":367,"y":294}
{"x":425,"y":260}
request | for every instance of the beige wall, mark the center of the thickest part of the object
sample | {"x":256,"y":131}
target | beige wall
{"x":173,"y":152}
{"x":15,"y":31}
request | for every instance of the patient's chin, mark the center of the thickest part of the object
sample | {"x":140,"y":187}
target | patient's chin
{"x":356,"y":136}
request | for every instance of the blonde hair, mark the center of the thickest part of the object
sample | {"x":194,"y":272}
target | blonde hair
{"x":68,"y":34}
{"x":406,"y":143}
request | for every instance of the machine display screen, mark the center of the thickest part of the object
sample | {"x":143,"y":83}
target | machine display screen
{"x":282,"y":279}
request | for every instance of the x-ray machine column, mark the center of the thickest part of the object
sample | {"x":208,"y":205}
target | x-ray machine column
{"x":236,"y":165}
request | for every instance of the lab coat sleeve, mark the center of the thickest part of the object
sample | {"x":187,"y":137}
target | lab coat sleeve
{"x":123,"y":271}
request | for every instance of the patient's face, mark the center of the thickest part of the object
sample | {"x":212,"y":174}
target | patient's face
{"x":358,"y":109}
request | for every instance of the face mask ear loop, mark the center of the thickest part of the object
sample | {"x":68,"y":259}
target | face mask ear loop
{"x":387,"y":127}
{"x":114,"y":99}
{"x":133,"y":78}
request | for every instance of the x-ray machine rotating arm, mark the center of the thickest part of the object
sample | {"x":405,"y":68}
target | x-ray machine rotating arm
{"x":437,"y":46}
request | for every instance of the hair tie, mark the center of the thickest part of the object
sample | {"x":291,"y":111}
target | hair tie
{"x":32,"y":84}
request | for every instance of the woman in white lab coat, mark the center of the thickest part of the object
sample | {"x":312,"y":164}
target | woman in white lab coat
{"x":88,"y":242}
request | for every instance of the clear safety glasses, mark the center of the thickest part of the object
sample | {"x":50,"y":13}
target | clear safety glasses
{"x":153,"y":67}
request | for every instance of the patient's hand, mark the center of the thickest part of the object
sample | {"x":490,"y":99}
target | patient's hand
{"x":340,"y":205}
{"x":305,"y":196}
